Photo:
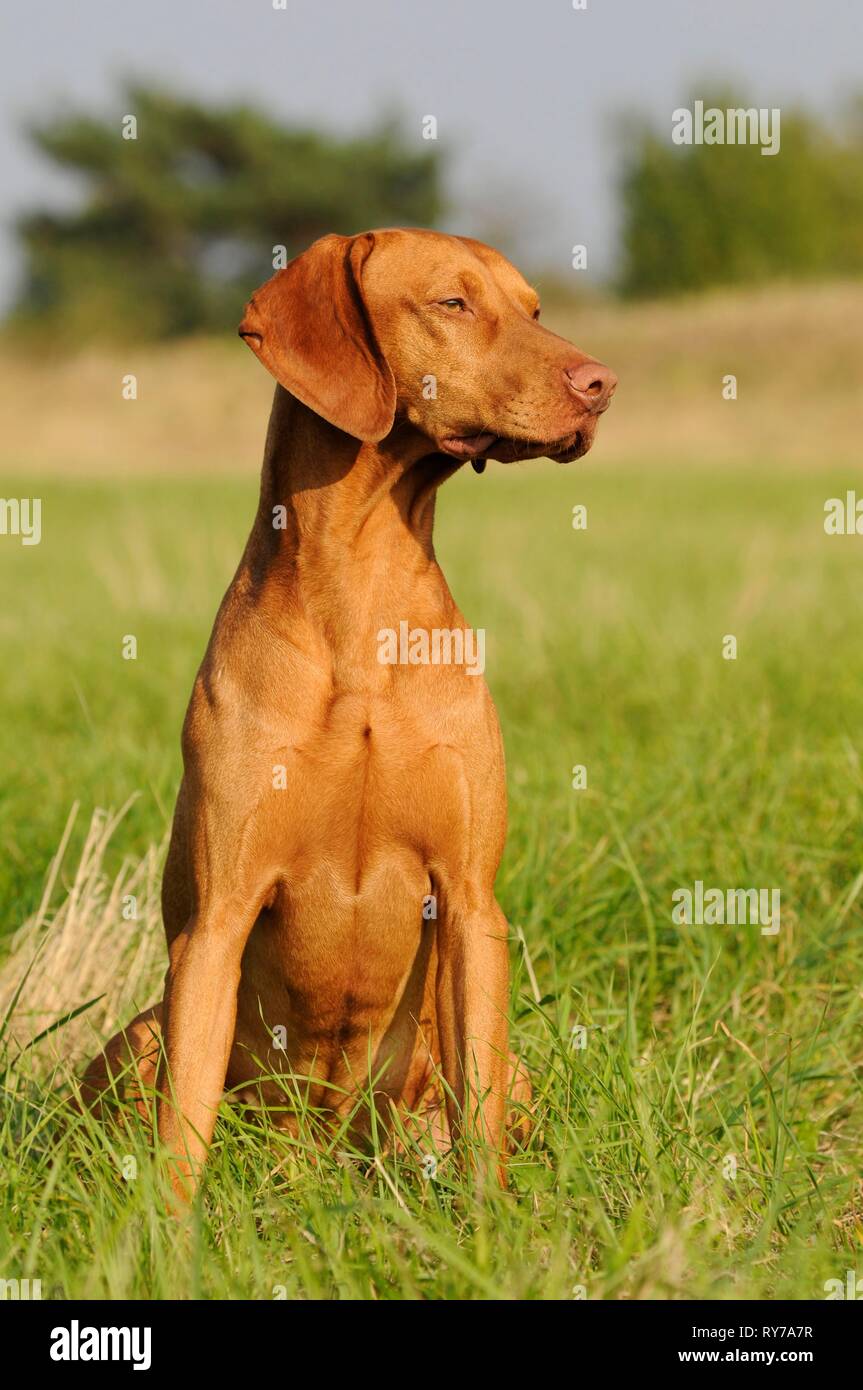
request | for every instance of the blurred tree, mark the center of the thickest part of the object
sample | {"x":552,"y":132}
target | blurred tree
{"x":700,"y":215}
{"x":179,"y":225}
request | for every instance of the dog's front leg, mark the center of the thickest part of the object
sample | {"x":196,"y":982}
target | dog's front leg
{"x":200,"y":1012}
{"x":472,"y":1001}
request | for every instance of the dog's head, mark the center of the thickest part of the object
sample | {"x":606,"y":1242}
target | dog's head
{"x":437,"y":330}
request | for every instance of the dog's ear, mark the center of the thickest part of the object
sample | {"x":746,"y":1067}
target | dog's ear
{"x":310,"y":327}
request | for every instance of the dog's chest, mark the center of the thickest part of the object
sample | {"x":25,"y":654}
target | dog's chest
{"x":372,"y":780}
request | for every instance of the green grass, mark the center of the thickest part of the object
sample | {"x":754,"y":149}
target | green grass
{"x":604,"y":648}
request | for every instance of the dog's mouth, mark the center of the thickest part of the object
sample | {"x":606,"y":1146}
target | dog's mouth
{"x":468,"y":446}
{"x":479,"y":447}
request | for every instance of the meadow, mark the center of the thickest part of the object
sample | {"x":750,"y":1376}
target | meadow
{"x":698,"y":1088}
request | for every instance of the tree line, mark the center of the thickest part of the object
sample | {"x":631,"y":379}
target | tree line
{"x":184,"y":205}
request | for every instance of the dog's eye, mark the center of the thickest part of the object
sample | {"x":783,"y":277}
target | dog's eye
{"x":457,"y":305}
{"x":536,"y":312}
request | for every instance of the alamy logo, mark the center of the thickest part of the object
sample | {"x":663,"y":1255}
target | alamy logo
{"x":77,"y":1343}
{"x":851,"y":1287}
{"x":710,"y":907}
{"x":737,"y":125}
{"x":437,"y":646}
{"x":21,"y":516}
{"x":844,"y":515}
{"x":20,"y":1288}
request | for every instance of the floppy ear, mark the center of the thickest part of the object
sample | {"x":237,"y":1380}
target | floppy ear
{"x":310,"y":327}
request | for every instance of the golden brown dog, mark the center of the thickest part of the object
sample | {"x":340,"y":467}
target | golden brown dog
{"x":328,"y":895}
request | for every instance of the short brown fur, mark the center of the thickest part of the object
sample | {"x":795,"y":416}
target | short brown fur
{"x":302,"y":905}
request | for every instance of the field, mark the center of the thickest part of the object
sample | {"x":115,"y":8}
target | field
{"x":706,"y":1141}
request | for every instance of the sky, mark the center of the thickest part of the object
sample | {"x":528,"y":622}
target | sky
{"x":527,"y":96}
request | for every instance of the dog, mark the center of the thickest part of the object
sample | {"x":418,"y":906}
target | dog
{"x":328,"y":895}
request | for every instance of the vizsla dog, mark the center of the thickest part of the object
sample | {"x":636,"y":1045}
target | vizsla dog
{"x":328,"y":895}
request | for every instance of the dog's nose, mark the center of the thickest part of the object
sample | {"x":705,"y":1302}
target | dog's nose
{"x":593,"y":384}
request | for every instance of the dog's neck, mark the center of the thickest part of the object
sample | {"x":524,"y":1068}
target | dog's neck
{"x":335,"y":513}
